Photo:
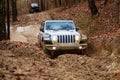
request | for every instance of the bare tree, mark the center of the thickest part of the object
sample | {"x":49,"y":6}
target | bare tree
{"x":93,"y":7}
{"x":57,"y":3}
{"x":14,"y":10}
{"x":105,"y":2}
{"x":118,"y":10}
{"x":2,"y":20}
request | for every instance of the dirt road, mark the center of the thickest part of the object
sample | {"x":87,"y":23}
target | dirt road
{"x":25,"y":61}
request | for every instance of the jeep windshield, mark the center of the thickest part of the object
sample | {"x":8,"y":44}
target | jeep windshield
{"x":34,"y":5}
{"x":60,"y":25}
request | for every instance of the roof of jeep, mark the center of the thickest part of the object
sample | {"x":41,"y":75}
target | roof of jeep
{"x":34,"y":4}
{"x":59,"y":21}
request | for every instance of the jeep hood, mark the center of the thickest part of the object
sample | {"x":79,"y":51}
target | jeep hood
{"x":63,"y":32}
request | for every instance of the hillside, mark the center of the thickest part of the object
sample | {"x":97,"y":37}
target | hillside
{"x":80,"y":13}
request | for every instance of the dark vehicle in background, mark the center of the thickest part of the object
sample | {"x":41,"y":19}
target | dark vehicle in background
{"x":34,"y":7}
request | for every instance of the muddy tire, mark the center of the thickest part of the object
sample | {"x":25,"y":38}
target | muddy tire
{"x":39,"y":43}
{"x":82,"y":52}
{"x":45,"y":50}
{"x":49,"y":53}
{"x":52,"y":54}
{"x":31,"y":11}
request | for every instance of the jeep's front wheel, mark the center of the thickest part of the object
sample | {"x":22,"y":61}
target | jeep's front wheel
{"x":49,"y":53}
{"x":82,"y":52}
{"x":52,"y":54}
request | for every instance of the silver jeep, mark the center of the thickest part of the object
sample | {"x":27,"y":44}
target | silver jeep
{"x":60,"y":35}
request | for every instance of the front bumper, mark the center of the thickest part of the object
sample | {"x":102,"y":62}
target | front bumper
{"x":66,"y":47}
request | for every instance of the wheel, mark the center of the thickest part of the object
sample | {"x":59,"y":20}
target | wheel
{"x":49,"y":53}
{"x":82,"y":52}
{"x":52,"y":54}
{"x":46,"y":50}
{"x":31,"y":11}
{"x":39,"y":43}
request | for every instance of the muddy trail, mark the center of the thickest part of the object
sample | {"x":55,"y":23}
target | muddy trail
{"x":25,"y":61}
{"x":22,"y":59}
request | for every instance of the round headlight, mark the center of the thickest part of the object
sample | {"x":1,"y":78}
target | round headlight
{"x":77,"y":38}
{"x":54,"y":39}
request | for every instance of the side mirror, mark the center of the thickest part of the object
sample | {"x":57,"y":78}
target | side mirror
{"x":77,"y":28}
{"x":42,"y":29}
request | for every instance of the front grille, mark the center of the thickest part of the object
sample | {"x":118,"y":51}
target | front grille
{"x":66,"y":39}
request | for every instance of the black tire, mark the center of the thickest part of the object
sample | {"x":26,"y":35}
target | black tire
{"x":49,"y":53}
{"x":39,"y":43}
{"x":82,"y":52}
{"x":31,"y":11}
{"x":46,"y":50}
{"x":52,"y":55}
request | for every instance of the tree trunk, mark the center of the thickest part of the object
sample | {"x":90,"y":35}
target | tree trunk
{"x":8,"y":18}
{"x":43,"y":5}
{"x":14,"y":10}
{"x":39,"y":3}
{"x":105,"y":2}
{"x":118,"y":11}
{"x":93,"y":7}
{"x":2,"y":20}
{"x":57,"y":3}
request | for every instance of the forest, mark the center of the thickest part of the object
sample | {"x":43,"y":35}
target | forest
{"x":22,"y":58}
{"x":15,"y":7}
